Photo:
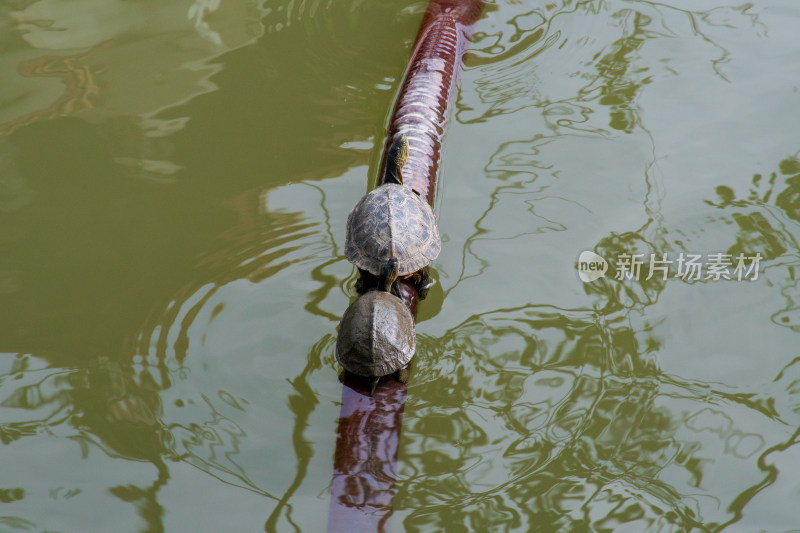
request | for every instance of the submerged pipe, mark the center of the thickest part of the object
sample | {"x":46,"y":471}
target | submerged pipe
{"x":368,"y":433}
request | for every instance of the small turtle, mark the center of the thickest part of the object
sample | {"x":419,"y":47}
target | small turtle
{"x":376,"y":333}
{"x":393,"y":221}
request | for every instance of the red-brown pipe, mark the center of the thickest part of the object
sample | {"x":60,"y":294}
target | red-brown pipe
{"x":429,"y":83}
{"x":366,"y":458}
{"x":369,"y":427}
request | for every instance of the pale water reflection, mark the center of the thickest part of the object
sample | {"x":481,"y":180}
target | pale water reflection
{"x":174,"y":184}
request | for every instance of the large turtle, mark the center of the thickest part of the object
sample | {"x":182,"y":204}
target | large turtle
{"x":376,"y":334}
{"x":392,"y":221}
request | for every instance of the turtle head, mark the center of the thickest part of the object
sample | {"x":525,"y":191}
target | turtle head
{"x":388,"y":276}
{"x":396,"y":160}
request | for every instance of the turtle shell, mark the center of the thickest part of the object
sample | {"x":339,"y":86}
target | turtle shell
{"x":376,"y":335}
{"x":392,"y":221}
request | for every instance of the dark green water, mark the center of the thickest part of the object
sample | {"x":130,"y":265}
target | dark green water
{"x":174,"y":183}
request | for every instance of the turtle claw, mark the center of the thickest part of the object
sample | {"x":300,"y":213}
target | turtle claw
{"x":373,"y":384}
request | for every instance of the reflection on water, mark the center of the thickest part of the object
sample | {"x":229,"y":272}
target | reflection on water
{"x":174,"y":184}
{"x":549,"y":414}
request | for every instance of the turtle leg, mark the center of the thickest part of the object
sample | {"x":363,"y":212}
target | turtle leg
{"x":360,"y":284}
{"x":423,"y":282}
{"x":373,"y":383}
{"x":365,"y":281}
{"x":402,"y":375}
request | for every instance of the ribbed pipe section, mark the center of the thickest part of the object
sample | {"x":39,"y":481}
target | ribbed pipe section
{"x":428,"y":87}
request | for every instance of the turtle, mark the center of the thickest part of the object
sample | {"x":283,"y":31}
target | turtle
{"x":376,"y":334}
{"x":393,"y":221}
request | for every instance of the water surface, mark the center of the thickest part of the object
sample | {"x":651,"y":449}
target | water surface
{"x":174,"y":184}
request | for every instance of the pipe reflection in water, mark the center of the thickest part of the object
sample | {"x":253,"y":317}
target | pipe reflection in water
{"x":364,"y":467}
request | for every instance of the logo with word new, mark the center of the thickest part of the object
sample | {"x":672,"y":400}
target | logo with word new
{"x":591,"y":266}
{"x":687,"y":267}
